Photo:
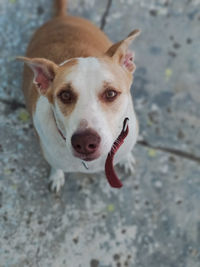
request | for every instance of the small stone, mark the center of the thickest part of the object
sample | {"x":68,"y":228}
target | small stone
{"x":180,"y":134}
{"x":158,"y":184}
{"x":172,"y":159}
{"x":40,"y":10}
{"x":169,"y":110}
{"x":153,"y":116}
{"x":103,"y":216}
{"x":41,"y":234}
{"x":179,"y":201}
{"x":166,"y":3}
{"x":176,"y":45}
{"x":172,"y":54}
{"x":75,"y":240}
{"x":153,"y":12}
{"x":136,"y":187}
{"x":189,"y":41}
{"x":116,"y":257}
{"x":94,"y":263}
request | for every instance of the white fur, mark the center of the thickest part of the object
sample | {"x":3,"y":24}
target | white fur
{"x":87,"y":79}
{"x":57,"y":179}
{"x":61,"y":64}
{"x":128,"y":164}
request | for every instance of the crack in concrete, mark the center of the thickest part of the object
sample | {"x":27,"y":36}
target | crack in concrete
{"x":105,"y":15}
{"x":14,"y":105}
{"x":176,"y":152}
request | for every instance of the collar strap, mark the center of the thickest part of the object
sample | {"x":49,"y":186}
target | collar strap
{"x":60,"y":132}
{"x":63,"y":137}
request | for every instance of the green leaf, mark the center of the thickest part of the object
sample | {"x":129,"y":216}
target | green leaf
{"x":152,"y":153}
{"x":110,"y":207}
{"x":23,"y":116}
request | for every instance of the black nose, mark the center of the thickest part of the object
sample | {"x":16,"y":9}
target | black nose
{"x":86,"y":142}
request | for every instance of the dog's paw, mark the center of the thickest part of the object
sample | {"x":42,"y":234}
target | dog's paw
{"x":56,"y":180}
{"x":128,"y":164}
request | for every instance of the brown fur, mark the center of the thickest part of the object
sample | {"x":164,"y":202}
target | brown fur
{"x":66,"y":37}
{"x":62,"y":38}
{"x":61,"y":6}
{"x":63,"y":71}
{"x":67,"y":109}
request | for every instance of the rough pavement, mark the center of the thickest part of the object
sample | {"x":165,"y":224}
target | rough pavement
{"x":154,"y":220}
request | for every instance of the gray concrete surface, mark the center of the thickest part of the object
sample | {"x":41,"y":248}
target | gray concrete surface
{"x":154,"y":220}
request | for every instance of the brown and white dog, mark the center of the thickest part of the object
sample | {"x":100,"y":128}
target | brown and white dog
{"x":77,"y":90}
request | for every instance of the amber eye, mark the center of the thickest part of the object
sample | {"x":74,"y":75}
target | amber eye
{"x":67,"y":96}
{"x":110,"y":95}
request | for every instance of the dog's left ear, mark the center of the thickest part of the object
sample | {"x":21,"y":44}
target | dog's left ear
{"x":44,"y":72}
{"x":121,"y":54}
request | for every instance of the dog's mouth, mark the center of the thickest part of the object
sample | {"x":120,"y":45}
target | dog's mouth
{"x":88,"y":157}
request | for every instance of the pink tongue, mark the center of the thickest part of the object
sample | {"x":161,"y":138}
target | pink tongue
{"x":109,"y":169}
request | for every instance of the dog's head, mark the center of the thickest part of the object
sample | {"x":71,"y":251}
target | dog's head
{"x":90,"y":97}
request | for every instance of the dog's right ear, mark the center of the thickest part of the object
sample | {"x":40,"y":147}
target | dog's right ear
{"x":120,"y":53}
{"x":44,"y":72}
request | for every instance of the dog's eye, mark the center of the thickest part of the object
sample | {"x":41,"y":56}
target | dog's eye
{"x":67,"y":97}
{"x":110,"y":94}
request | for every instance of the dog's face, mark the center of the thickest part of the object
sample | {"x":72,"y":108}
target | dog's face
{"x":89,"y":97}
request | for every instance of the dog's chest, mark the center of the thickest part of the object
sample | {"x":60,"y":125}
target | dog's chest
{"x":51,"y":142}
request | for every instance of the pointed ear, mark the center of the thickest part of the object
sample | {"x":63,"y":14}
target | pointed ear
{"x":121,"y":54}
{"x":44,"y":72}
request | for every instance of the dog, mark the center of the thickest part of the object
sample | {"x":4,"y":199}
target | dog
{"x":76,"y":85}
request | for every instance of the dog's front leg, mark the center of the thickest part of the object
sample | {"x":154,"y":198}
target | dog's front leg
{"x":128,"y":164}
{"x":57,"y":179}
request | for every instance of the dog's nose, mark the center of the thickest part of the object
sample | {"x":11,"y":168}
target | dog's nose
{"x":86,"y":142}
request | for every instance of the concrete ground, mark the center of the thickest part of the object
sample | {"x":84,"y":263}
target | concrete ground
{"x":154,"y":220}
